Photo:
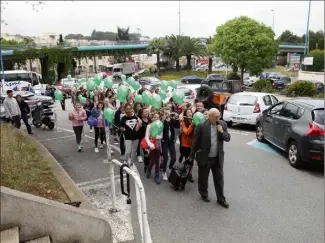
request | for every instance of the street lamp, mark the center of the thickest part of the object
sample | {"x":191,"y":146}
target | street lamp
{"x":273,"y":12}
{"x":307,"y":31}
{"x":2,"y":69}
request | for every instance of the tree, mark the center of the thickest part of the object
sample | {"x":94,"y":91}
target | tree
{"x":316,"y":40}
{"x":174,"y":48}
{"x":318,"y":62}
{"x":191,"y":46}
{"x":157,"y":46}
{"x":123,"y":34}
{"x":289,"y":37}
{"x":209,"y":52}
{"x":245,"y":43}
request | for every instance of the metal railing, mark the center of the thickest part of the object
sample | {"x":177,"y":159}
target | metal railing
{"x":71,"y":44}
{"x":142,"y":211}
{"x":291,"y":44}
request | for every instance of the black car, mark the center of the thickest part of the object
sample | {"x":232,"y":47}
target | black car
{"x":279,"y":82}
{"x":192,"y":79}
{"x":319,"y":87}
{"x":297,"y":127}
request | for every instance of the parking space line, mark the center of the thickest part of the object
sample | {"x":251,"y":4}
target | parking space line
{"x":262,"y":146}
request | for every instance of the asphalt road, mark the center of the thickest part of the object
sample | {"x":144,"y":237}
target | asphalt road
{"x":269,"y":200}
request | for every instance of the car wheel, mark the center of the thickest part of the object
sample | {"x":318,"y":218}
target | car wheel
{"x":51,"y":125}
{"x":229,"y":124}
{"x":294,"y":155}
{"x":259,"y":133}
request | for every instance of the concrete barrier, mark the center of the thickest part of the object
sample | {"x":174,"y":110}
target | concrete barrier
{"x":37,"y":216}
{"x":311,"y":76}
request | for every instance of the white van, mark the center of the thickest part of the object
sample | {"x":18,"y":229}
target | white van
{"x":128,"y":69}
{"x":18,"y":79}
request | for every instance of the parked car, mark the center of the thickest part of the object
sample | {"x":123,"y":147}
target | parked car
{"x":245,"y":107}
{"x":192,"y":79}
{"x":249,"y":81}
{"x":204,"y":67}
{"x":28,"y":97}
{"x":188,"y":90}
{"x":296,"y":127}
{"x":279,"y":82}
{"x":214,"y":77}
{"x":319,"y":87}
{"x":47,"y":101}
{"x":149,"y":80}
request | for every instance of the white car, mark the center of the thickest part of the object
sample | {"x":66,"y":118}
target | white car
{"x":203,"y":68}
{"x":249,"y":81}
{"x":245,"y":107}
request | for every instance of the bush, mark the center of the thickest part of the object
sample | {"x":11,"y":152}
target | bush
{"x":233,"y":76}
{"x":262,"y":85}
{"x":301,"y":88}
{"x":318,"y":63}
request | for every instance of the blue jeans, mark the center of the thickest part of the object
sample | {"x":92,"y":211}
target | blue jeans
{"x":168,"y":147}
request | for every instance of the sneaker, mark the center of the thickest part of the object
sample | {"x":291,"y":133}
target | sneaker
{"x":165,"y":178}
{"x":96,"y":150}
{"x":101,"y":146}
{"x":91,"y":130}
{"x":140,"y":159}
{"x":157,"y":178}
{"x":79,"y":148}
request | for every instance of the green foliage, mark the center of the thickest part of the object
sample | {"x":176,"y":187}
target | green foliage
{"x":123,"y":34}
{"x":262,"y":85}
{"x":301,"y":88}
{"x":101,"y":35}
{"x":289,"y":37}
{"x":233,"y":76}
{"x":191,"y":46}
{"x":318,"y":64}
{"x":245,"y":43}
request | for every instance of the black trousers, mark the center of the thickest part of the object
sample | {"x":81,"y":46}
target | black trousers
{"x":24,"y":117}
{"x":122,"y":143}
{"x":217,"y":173}
{"x":168,"y":148}
{"x":15,"y":121}
{"x":78,"y":133}
{"x":185,"y":152}
{"x":63,"y":104}
{"x":99,"y":133}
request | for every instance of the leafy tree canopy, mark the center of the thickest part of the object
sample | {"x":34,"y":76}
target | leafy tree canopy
{"x":318,"y":62}
{"x":246,"y":43}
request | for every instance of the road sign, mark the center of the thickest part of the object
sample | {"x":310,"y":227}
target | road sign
{"x":308,"y":61}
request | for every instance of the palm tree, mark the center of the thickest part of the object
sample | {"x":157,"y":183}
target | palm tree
{"x":157,"y":46}
{"x":191,"y":46}
{"x":209,"y":52}
{"x":174,"y":47}
{"x":123,"y":34}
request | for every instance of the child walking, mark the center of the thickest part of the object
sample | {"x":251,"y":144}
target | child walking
{"x":78,"y":116}
{"x":144,"y":116}
{"x":154,"y":153}
{"x":98,"y":113}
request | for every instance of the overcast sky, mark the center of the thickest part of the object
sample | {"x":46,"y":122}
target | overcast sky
{"x":156,"y":18}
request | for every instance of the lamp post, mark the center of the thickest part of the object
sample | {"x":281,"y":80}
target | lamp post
{"x":307,"y":31}
{"x":179,"y":17}
{"x":2,"y":69}
{"x":273,"y":12}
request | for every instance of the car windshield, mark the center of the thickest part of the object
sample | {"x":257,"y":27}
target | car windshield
{"x":318,"y":116}
{"x":118,"y":70}
{"x":242,"y":100}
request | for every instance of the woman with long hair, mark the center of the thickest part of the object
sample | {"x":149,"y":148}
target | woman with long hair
{"x":137,"y":107}
{"x":117,"y":123}
{"x":187,"y":132}
{"x":88,"y":108}
{"x":155,"y":150}
{"x":130,"y":125}
{"x":77,"y":117}
{"x":145,"y":120}
{"x":98,"y":113}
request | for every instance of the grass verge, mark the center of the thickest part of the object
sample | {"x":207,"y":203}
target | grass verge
{"x":23,"y":168}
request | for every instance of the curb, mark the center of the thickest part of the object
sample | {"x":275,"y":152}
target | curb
{"x":70,"y":188}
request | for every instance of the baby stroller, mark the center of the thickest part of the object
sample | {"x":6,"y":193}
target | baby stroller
{"x":42,"y":117}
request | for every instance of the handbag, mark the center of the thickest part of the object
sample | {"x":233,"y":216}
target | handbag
{"x":92,"y":121}
{"x":144,"y":144}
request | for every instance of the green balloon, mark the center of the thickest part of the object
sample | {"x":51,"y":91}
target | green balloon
{"x":138,"y":98}
{"x":164,"y":85}
{"x":123,"y":77}
{"x":162,"y":94}
{"x":156,"y":128}
{"x":156,"y":101}
{"x":83,"y":100}
{"x":178,"y":97}
{"x":136,"y":85}
{"x":58,"y":95}
{"x":173,"y":84}
{"x":91,"y":85}
{"x":198,"y":118}
{"x":69,"y":77}
{"x":122,"y":93}
{"x":91,"y":94}
{"x":109,"y":115}
{"x":98,"y":79}
{"x":108,"y":82}
{"x":130,"y":80}
{"x":146,"y":97}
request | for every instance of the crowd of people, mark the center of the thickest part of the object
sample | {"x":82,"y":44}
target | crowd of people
{"x":131,"y":129}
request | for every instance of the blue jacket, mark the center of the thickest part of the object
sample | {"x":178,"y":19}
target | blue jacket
{"x":96,"y":113}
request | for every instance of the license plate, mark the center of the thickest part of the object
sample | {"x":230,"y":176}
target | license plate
{"x":238,"y":118}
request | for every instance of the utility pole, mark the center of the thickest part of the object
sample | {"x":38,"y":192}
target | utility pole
{"x":2,"y":68}
{"x":179,"y":17}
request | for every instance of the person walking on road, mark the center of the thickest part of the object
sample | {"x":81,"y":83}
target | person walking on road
{"x":24,"y":110}
{"x":207,"y":147}
{"x":12,"y":109}
{"x":98,"y":113}
{"x":78,"y":116}
{"x":145,"y":120}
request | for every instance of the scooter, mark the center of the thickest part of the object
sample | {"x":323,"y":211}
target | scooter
{"x":42,"y":117}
